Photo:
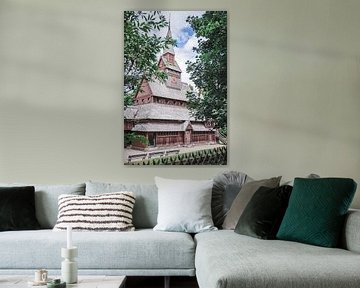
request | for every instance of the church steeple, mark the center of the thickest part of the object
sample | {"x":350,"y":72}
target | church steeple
{"x":170,"y":48}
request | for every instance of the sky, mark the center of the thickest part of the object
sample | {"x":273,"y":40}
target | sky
{"x":184,"y":36}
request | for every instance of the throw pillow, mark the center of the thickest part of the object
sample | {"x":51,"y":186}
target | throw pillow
{"x":263,"y":215}
{"x":243,"y":198}
{"x":226,"y":187}
{"x":17,"y":209}
{"x":105,"y":212}
{"x":316,"y":211}
{"x":184,"y":205}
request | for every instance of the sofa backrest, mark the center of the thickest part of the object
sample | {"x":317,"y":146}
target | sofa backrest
{"x":146,"y":203}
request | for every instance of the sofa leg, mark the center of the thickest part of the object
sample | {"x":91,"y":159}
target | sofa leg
{"x":167,"y":282}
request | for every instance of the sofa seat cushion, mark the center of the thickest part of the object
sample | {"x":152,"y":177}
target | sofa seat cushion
{"x":226,"y":259}
{"x":142,"y":249}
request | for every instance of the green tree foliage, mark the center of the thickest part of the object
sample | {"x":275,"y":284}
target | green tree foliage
{"x":141,"y":46}
{"x":130,"y":138}
{"x":209,"y":69}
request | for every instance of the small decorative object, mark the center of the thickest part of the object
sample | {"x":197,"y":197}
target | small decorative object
{"x":69,"y":237}
{"x":41,"y":275}
{"x":56,"y":283}
{"x":41,"y":278}
{"x":69,"y":265}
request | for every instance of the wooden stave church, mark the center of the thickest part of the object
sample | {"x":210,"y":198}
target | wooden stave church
{"x":160,"y":111}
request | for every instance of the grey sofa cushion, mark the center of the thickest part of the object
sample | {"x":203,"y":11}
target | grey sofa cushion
{"x":146,"y":204}
{"x":226,"y":259}
{"x":46,"y":200}
{"x":225,"y":189}
{"x":140,"y":250}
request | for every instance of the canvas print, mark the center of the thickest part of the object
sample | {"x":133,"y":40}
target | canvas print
{"x":175,"y":88}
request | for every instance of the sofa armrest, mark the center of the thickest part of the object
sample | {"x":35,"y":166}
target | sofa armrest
{"x":351,"y":234}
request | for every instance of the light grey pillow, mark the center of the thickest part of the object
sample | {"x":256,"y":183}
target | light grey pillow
{"x":184,"y":205}
{"x":46,"y":200}
{"x":225,"y":189}
{"x":243,"y":198}
{"x":146,"y":204}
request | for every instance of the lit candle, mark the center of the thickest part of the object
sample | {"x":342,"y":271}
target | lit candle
{"x":69,"y":239}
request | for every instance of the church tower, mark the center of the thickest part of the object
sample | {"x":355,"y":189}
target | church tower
{"x":170,"y":66}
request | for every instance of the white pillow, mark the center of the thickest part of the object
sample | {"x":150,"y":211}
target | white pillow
{"x":104,"y":212}
{"x":184,"y":205}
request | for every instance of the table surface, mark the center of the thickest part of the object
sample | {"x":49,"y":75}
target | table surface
{"x":84,"y":281}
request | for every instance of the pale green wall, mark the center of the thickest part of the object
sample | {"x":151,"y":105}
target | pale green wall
{"x":294,"y":89}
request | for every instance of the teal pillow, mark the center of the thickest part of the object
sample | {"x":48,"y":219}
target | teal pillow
{"x":316,"y":211}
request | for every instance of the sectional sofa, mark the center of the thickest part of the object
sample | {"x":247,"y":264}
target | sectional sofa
{"x":219,"y":259}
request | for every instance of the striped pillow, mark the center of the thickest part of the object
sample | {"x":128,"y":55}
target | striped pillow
{"x":105,"y":212}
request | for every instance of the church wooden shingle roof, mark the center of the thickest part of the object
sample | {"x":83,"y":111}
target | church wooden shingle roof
{"x":169,"y":127}
{"x":161,"y":90}
{"x":157,"y":111}
{"x":158,"y":127}
{"x":169,"y":65}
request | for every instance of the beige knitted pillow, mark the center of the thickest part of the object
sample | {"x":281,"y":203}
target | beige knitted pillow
{"x":105,"y":212}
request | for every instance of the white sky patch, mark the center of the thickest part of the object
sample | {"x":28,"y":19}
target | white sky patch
{"x":184,"y":54}
{"x":179,"y":32}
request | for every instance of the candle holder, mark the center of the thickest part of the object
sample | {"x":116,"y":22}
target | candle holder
{"x":69,"y":271}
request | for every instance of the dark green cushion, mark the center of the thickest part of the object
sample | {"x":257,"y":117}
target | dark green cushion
{"x":264,"y":213}
{"x":316,"y":211}
{"x":17,"y":208}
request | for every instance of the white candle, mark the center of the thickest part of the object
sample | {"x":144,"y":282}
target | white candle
{"x":69,"y":237}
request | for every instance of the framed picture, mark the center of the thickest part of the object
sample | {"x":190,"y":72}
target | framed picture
{"x":175,"y":88}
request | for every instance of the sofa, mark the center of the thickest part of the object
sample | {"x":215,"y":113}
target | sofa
{"x":218,"y":259}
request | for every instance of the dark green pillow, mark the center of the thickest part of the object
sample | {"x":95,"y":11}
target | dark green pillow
{"x":316,"y":211}
{"x":264,"y":212}
{"x":17,"y":208}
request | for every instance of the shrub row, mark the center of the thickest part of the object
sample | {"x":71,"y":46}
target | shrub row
{"x":214,"y":156}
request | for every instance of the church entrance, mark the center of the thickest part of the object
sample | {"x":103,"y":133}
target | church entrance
{"x":187,"y":137}
{"x":151,"y":138}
